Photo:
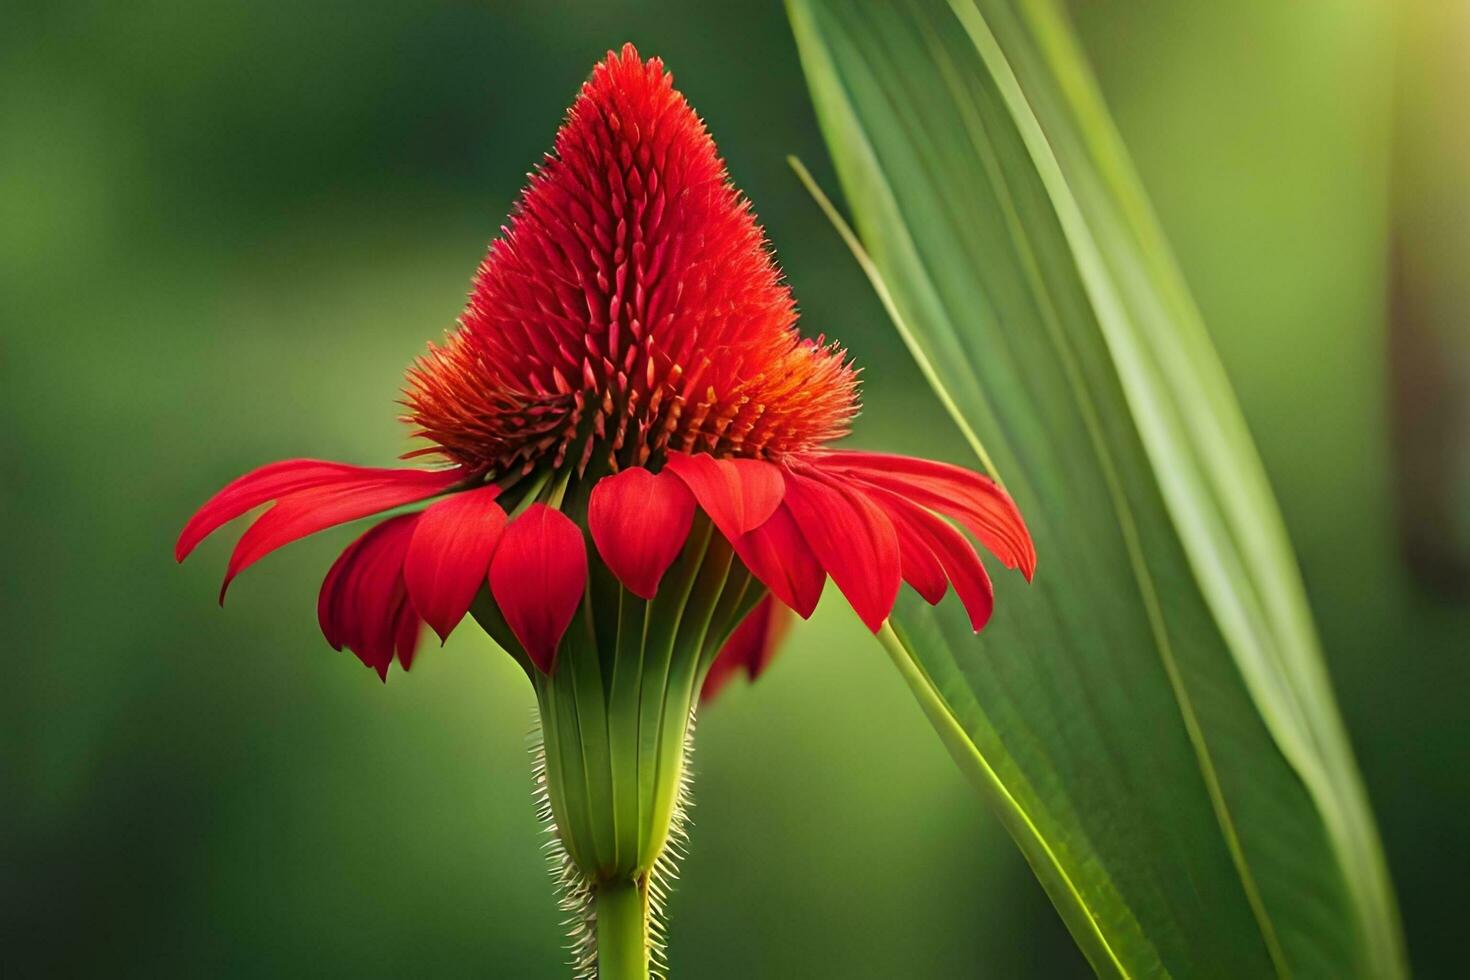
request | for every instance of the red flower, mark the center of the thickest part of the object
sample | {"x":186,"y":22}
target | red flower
{"x":629,"y":356}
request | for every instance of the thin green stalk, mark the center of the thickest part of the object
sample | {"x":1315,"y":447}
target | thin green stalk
{"x":622,"y":931}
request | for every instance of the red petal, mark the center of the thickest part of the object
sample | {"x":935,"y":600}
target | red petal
{"x":362,"y":598}
{"x":330,"y":604}
{"x":921,"y":567}
{"x":639,"y":523}
{"x":739,"y":495}
{"x":315,"y":508}
{"x":854,"y":541}
{"x":272,"y":482}
{"x":750,"y":648}
{"x":956,"y":556}
{"x":778,"y":555}
{"x":978,"y":503}
{"x":406,"y":634}
{"x":449,"y":555}
{"x":537,"y":576}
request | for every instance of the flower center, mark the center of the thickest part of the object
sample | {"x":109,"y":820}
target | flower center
{"x":630,"y":308}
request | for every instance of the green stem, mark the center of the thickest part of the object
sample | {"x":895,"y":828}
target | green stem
{"x":622,"y":931}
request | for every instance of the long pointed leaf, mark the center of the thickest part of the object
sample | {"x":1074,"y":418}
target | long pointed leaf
{"x":1152,"y":719}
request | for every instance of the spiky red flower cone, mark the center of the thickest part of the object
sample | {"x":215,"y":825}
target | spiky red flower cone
{"x":627,"y":369}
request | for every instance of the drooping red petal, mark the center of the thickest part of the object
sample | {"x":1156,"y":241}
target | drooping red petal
{"x":406,"y":634}
{"x":639,"y":522}
{"x":537,"y":576}
{"x":922,"y":529}
{"x":750,"y":648}
{"x":331,"y":602}
{"x":269,"y":482}
{"x":921,"y":568}
{"x":852,"y":538}
{"x":362,"y":601}
{"x":739,"y":495}
{"x":963,"y":566}
{"x":978,"y":503}
{"x":316,"y":508}
{"x":778,"y":555}
{"x":449,"y":555}
{"x":377,"y":597}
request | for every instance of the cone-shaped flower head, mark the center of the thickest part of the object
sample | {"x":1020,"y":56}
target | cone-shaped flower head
{"x":630,"y":309}
{"x":633,"y":446}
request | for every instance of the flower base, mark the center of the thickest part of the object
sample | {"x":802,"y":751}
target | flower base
{"x":617,"y":715}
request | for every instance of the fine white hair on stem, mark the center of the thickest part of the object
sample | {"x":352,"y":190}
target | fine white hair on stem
{"x":576,"y":892}
{"x":573,"y":890}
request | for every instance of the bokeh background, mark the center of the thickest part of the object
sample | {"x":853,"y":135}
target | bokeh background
{"x":226,"y":228}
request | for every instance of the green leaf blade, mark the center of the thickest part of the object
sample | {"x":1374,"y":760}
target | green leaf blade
{"x":1152,"y":718}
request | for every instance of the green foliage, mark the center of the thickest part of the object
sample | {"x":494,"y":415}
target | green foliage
{"x":1152,"y":719}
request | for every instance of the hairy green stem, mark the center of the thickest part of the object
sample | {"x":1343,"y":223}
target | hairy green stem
{"x":622,"y":930}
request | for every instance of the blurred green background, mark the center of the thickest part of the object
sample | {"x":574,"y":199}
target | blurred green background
{"x":224,"y":231}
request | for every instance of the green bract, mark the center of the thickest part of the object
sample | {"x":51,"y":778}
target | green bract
{"x":616,"y":728}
